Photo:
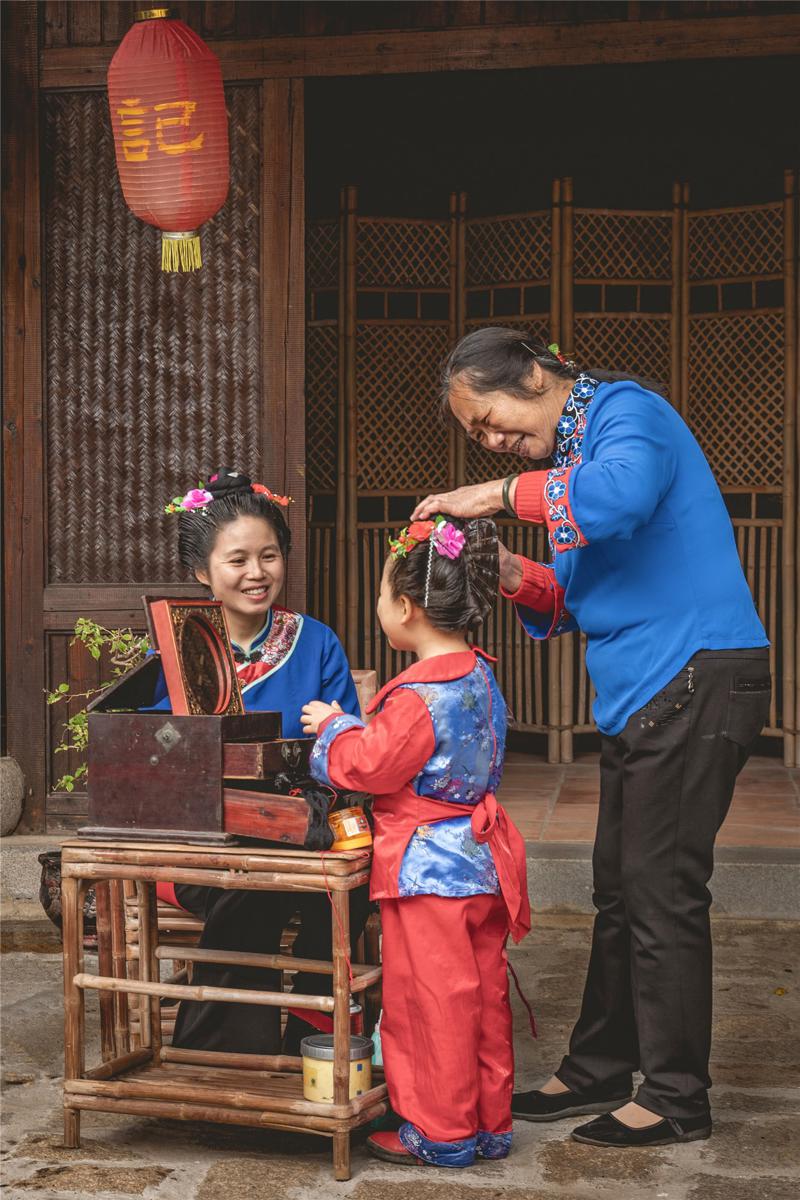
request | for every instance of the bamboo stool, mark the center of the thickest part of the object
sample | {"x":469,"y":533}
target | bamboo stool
{"x":162,"y":1081}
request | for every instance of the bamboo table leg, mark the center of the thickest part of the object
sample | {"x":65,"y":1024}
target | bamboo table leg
{"x":149,"y":965}
{"x":122,"y":1032}
{"x":72,"y":891}
{"x":105,"y":966}
{"x":340,"y":918}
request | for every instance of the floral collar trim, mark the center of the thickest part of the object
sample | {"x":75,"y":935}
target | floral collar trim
{"x":572,"y":422}
{"x":275,"y":647}
{"x":440,"y":668}
{"x":254,"y":653}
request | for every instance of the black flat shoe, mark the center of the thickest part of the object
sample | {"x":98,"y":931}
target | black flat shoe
{"x":608,"y":1131}
{"x":540,"y":1106}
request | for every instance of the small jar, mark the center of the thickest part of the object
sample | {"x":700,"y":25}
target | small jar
{"x":317,"y":1052}
{"x":350,"y":829}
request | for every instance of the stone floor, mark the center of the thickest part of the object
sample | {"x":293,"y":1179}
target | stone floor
{"x":753,"y":1154}
{"x":559,"y":803}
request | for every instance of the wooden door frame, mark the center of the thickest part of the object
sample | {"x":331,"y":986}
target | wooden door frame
{"x":32,"y":607}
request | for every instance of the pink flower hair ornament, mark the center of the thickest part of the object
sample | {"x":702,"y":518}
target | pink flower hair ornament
{"x":198,"y":499}
{"x":446,"y":538}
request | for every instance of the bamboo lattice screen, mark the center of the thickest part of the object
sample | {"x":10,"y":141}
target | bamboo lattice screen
{"x":703,"y":302}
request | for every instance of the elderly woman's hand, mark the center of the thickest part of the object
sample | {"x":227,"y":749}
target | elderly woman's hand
{"x":510,"y":569}
{"x":479,"y":500}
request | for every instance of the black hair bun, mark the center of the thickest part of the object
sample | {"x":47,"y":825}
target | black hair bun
{"x":483,"y":566}
{"x":227,"y":481}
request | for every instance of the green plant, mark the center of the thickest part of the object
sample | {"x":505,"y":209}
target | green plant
{"x":125,"y":649}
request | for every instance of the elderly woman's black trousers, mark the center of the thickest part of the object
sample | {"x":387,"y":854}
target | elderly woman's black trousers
{"x":666,"y":785}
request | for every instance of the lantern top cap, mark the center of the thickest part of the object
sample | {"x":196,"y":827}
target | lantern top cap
{"x":153,"y":14}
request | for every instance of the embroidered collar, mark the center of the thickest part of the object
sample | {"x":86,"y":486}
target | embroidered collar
{"x":572,"y":422}
{"x":441,"y":668}
{"x":254,"y":653}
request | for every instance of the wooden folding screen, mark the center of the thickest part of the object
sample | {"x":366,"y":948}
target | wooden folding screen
{"x":702,"y":302}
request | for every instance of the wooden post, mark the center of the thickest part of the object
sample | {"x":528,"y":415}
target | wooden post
{"x":684,"y":304}
{"x":22,"y":407}
{"x":460,"y":316}
{"x":676,"y":325}
{"x":453,"y":438}
{"x":105,"y":961}
{"x":352,"y":641}
{"x":122,"y":1032}
{"x":340,"y":531}
{"x":72,"y":892}
{"x":150,"y":1021}
{"x":283,"y":311}
{"x":791,"y":452}
{"x":566,"y":675}
{"x":558,"y":284}
{"x":340,"y":918}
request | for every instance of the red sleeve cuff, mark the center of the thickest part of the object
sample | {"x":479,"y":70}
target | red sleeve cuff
{"x":529,"y":496}
{"x":536,"y":589}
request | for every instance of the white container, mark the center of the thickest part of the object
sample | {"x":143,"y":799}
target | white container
{"x":317,"y":1052}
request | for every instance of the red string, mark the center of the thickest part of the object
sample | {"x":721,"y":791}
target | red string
{"x":524,"y":1000}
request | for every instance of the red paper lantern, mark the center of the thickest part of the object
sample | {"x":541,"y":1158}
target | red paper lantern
{"x":170,"y":131}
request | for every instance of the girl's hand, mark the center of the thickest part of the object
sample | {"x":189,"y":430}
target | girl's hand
{"x":479,"y":500}
{"x":510,"y":569}
{"x":315,"y":712}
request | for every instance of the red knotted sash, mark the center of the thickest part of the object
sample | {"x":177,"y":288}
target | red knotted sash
{"x":397,"y":819}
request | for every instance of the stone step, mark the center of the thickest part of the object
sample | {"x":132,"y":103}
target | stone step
{"x":748,"y":881}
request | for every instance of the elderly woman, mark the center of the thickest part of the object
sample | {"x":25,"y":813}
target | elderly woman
{"x":644,"y":562}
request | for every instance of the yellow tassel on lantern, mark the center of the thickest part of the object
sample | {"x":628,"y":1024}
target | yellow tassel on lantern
{"x":180,"y":252}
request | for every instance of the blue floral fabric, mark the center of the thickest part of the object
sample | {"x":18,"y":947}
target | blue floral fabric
{"x":567,"y":453}
{"x":322,"y":747}
{"x":494,"y":1145}
{"x":443,"y":858}
{"x":441,"y":1154}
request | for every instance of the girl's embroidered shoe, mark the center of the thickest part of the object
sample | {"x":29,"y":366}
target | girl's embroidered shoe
{"x":494,"y":1145}
{"x":387,"y":1145}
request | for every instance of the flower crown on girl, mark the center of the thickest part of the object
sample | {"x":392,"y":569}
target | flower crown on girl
{"x":198,"y":499}
{"x":441,"y":536}
{"x":444,"y":538}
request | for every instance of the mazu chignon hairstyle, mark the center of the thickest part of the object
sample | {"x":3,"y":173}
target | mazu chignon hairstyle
{"x":462,"y":590}
{"x":233,"y":498}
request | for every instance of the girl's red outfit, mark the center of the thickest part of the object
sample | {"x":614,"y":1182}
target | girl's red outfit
{"x":449,"y":871}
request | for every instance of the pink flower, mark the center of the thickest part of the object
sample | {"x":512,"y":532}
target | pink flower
{"x":196,"y":498}
{"x":448,"y":540}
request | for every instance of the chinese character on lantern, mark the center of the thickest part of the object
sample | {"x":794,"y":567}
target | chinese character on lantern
{"x":170,"y":131}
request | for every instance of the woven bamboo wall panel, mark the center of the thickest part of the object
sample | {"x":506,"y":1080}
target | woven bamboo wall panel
{"x":736,"y":396}
{"x":322,"y":383}
{"x":151,"y":379}
{"x":622,"y":245}
{"x":403,"y":254}
{"x":641,"y":345}
{"x":322,"y":254}
{"x":736,"y":243}
{"x":402,"y":445}
{"x":506,"y":250}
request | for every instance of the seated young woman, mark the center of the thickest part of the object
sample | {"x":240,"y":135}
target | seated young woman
{"x":233,"y":536}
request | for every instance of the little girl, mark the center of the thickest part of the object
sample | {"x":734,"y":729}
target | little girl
{"x":448,"y":866}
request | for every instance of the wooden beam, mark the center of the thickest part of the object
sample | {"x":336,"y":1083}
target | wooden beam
{"x":283,"y":312}
{"x":482,"y":48}
{"x":22,"y":408}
